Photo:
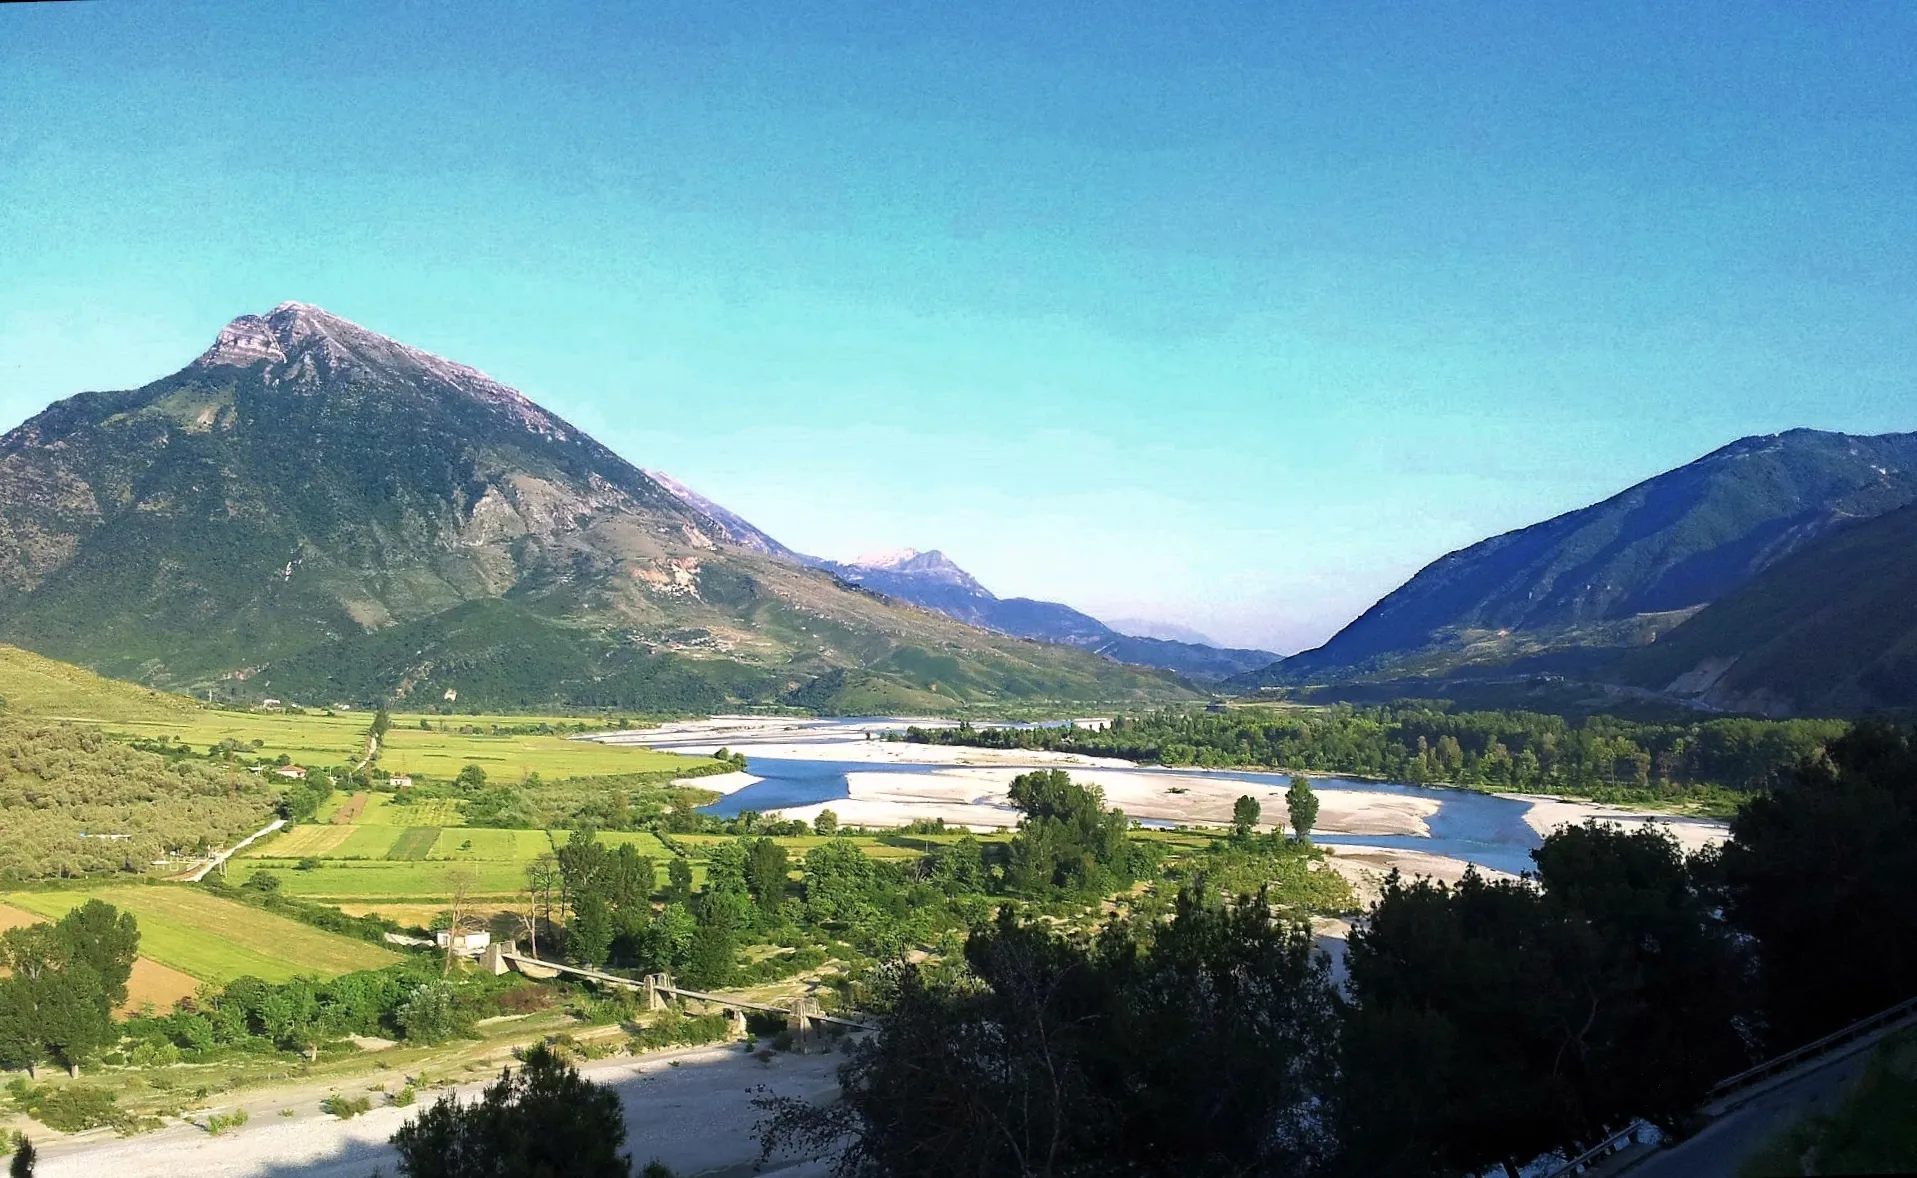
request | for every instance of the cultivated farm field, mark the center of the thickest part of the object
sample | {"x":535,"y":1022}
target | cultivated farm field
{"x":215,"y":939}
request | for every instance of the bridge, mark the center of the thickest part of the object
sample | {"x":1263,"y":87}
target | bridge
{"x":805,"y":1019}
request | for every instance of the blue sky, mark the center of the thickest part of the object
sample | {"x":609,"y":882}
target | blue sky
{"x":1230,"y":315}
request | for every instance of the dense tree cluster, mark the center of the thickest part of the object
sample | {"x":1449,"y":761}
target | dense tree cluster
{"x":1426,"y":741}
{"x":73,"y":802}
{"x":543,"y":1119}
{"x":1481,"y":1024}
{"x":64,"y":980}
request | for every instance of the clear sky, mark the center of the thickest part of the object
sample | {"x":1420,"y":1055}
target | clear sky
{"x":1232,"y":315}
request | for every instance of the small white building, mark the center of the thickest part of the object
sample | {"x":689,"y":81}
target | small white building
{"x":293,"y":771}
{"x":400,"y":781}
{"x":464,"y":944}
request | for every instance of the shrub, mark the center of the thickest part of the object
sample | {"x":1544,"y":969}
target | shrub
{"x":219,"y":1123}
{"x":345,"y":1107}
{"x":405,"y":1097}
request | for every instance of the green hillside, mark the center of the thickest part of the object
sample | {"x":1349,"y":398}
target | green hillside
{"x":1830,"y":629}
{"x":33,"y":685}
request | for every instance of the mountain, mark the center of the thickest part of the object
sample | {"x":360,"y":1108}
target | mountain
{"x":1171,"y":631}
{"x":1829,"y":629}
{"x":314,"y":511}
{"x":1619,"y":572}
{"x":931,"y":579}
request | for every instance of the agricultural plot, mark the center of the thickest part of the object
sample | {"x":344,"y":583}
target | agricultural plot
{"x":217,"y":940}
{"x":439,"y":751}
{"x":382,"y":810}
{"x":415,"y":842}
{"x":387,"y":880}
{"x":301,"y":841}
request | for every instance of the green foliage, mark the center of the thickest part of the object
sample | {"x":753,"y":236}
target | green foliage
{"x":1871,"y":1131}
{"x":827,"y":823}
{"x":1067,"y":840}
{"x":64,"y":980}
{"x":72,"y":1108}
{"x":345,"y":1107}
{"x":219,"y":1123}
{"x":1820,"y":873}
{"x":1425,"y":741}
{"x":1301,"y":804}
{"x":430,"y":1013}
{"x":1199,"y":1048}
{"x":1244,"y":816}
{"x":543,"y":1119}
{"x":73,"y":802}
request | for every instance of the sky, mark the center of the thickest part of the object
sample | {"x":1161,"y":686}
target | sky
{"x":1227,"y":315}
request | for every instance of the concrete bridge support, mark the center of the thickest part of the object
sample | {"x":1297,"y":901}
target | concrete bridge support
{"x":800,"y":1022}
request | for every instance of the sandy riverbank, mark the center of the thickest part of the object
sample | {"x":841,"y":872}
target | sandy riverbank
{"x":1546,"y":814}
{"x":696,"y":1117}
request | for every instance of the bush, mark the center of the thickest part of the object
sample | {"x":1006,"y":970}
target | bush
{"x":405,"y":1097}
{"x":345,"y":1107}
{"x":71,"y":1110}
{"x":219,"y":1123}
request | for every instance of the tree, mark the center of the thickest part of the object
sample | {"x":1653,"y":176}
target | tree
{"x":471,"y":778}
{"x":461,"y":883}
{"x":589,"y":934}
{"x":1201,"y":1048}
{"x":827,"y":823}
{"x":1302,"y":804}
{"x":711,"y":959}
{"x":678,"y":881}
{"x":766,"y":874}
{"x":1667,"y":992}
{"x":429,"y":1014}
{"x":542,"y":879}
{"x":1068,"y":841}
{"x":1244,"y":816}
{"x":106,"y":939}
{"x":25,"y":1157}
{"x":544,"y":1119}
{"x":1820,"y":873}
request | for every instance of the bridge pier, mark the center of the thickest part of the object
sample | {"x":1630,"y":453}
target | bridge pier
{"x":799,"y":1021}
{"x":656,"y":985}
{"x":736,"y":1023}
{"x":493,"y":960}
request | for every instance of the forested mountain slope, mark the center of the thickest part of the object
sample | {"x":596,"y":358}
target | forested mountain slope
{"x":282,"y":510}
{"x":1829,"y":629}
{"x":1620,"y":571}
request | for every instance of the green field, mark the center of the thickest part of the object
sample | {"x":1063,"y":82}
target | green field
{"x":217,"y":940}
{"x":319,"y":739}
{"x":393,"y":864}
{"x":36,"y":686}
{"x":387,"y":880}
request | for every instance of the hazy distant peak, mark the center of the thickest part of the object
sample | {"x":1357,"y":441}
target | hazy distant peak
{"x":1168,"y":631}
{"x":891,"y":558}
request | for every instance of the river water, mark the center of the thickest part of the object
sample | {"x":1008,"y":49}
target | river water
{"x":1475,"y":827}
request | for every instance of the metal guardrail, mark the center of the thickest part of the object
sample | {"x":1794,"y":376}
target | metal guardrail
{"x":1769,"y":1069}
{"x":1603,"y":1149}
{"x":1809,"y":1051}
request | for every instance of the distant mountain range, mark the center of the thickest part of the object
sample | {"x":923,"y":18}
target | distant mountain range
{"x":1577,"y":594}
{"x":932,"y":580}
{"x":313,"y":511}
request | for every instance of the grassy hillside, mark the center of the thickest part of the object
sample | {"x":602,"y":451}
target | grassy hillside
{"x":1832,"y":628}
{"x":33,"y":685}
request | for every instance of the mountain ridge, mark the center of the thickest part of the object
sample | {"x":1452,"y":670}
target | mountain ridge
{"x":1617,"y":571}
{"x":307,"y":485}
{"x":933,"y":580}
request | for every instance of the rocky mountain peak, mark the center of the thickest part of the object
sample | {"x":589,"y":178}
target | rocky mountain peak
{"x":306,"y":346}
